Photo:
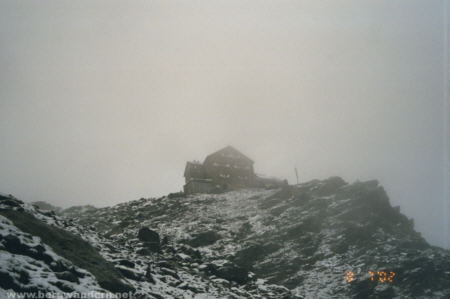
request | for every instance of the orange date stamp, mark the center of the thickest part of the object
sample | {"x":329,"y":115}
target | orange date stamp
{"x":375,"y":276}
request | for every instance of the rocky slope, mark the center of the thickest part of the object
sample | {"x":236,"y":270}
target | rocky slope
{"x":317,"y":239}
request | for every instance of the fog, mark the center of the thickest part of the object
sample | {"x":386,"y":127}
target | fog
{"x":103,"y":102}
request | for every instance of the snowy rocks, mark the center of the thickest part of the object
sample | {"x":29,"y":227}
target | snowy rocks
{"x":165,"y":264}
{"x":249,"y":255}
{"x":170,"y":272}
{"x":68,"y":276}
{"x":149,"y":275}
{"x":25,"y":233}
{"x":131,"y":274}
{"x":297,"y":241}
{"x":329,"y":186}
{"x":143,"y":251}
{"x":58,"y":266}
{"x":188,"y":287}
{"x":10,"y":202}
{"x":192,"y":253}
{"x":14,"y":245}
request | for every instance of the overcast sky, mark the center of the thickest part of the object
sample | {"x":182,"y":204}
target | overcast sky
{"x":103,"y":102}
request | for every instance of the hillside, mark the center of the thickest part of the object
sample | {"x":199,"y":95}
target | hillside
{"x":296,"y":242}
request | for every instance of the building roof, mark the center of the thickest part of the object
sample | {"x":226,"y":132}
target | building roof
{"x":229,"y":148}
{"x":194,"y":166}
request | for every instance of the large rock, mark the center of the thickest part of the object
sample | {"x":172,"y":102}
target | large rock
{"x":151,"y":240}
{"x":126,"y":263}
{"x":230,"y":272}
{"x":204,"y":239}
{"x":147,"y":235}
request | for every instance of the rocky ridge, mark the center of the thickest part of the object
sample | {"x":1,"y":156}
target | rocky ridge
{"x":296,"y":242}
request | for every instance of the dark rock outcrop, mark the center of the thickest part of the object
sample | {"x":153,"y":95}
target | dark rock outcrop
{"x":204,"y":239}
{"x":147,"y":235}
{"x":230,"y":272}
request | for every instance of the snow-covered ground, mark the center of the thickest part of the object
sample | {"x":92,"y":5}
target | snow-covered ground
{"x":295,"y":242}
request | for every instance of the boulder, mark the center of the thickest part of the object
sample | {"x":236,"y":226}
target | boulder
{"x":126,"y":263}
{"x":204,"y":239}
{"x":147,"y":235}
{"x":14,"y":245}
{"x":230,"y":272}
{"x":7,"y":281}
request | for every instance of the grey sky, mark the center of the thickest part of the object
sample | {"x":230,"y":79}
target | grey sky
{"x":103,"y":102}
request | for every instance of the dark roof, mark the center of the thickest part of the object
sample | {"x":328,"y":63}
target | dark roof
{"x":229,"y":148}
{"x":196,"y":166}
